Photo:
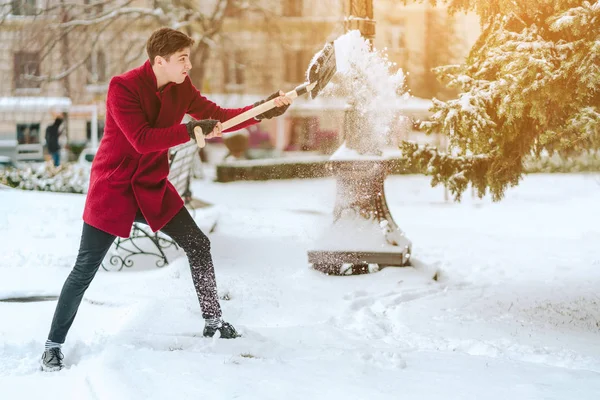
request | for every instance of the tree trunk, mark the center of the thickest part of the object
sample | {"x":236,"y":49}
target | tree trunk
{"x":64,"y":52}
{"x":200,"y":56}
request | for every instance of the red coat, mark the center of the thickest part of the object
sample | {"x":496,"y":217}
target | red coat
{"x":130,"y":169}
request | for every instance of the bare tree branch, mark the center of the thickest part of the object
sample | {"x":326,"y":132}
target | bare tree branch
{"x":62,"y":75}
{"x":84,"y":27}
{"x":113,"y":14}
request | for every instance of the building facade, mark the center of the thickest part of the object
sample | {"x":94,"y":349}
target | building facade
{"x":419,"y":37}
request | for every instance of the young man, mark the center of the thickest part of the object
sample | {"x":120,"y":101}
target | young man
{"x":128,"y":182}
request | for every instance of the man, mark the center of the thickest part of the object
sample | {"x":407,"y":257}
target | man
{"x":53,"y":131}
{"x":128,"y":181}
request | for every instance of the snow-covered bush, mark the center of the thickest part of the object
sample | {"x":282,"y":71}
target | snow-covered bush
{"x":458,"y":172}
{"x":69,"y":178}
{"x":589,"y":161}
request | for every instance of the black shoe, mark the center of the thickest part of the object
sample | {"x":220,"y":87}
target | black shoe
{"x":227,"y":331}
{"x":52,"y":360}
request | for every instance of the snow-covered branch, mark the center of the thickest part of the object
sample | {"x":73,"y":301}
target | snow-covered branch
{"x":530,"y":85}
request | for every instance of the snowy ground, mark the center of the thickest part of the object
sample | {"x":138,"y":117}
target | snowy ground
{"x":515,"y":314}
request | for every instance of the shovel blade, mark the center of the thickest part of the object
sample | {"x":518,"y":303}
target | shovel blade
{"x":321,"y":69}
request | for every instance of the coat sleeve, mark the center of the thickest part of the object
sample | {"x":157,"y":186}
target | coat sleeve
{"x":202,"y":108}
{"x":129,"y":116}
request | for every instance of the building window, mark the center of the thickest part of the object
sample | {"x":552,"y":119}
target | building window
{"x":88,"y":129}
{"x":234,"y":69}
{"x":396,"y":38}
{"x":27,"y":65}
{"x":28,"y":133}
{"x":304,"y":134}
{"x":96,"y":68}
{"x":296,"y":64}
{"x":23,"y":7}
{"x":292,"y":8}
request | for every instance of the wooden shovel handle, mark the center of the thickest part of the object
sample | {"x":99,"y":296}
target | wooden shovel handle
{"x":245,"y":116}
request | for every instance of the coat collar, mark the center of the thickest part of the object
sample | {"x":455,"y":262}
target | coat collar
{"x":150,"y":78}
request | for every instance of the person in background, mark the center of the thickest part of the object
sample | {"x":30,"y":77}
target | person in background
{"x":128,"y":182}
{"x":53,"y":131}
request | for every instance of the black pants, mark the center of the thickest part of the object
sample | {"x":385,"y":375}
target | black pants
{"x":96,"y":243}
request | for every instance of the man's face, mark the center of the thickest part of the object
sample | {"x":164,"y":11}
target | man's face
{"x":177,"y":66}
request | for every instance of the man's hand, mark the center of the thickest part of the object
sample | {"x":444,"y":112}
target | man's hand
{"x":211,"y":128}
{"x":216,"y":132}
{"x":281,"y":101}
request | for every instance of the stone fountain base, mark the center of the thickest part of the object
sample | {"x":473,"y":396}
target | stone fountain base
{"x":363,"y":237}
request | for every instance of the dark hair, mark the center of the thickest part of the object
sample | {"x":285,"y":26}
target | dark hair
{"x":166,"y":41}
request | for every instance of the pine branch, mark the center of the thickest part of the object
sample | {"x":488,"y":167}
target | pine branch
{"x":531,"y":84}
{"x":454,"y":172}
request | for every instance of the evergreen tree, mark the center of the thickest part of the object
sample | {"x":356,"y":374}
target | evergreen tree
{"x":531,"y":84}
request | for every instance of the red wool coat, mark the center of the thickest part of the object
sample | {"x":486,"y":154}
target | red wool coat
{"x":130,"y":169}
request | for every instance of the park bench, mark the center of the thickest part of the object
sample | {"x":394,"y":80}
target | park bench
{"x":142,"y":241}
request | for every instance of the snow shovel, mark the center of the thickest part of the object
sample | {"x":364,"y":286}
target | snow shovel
{"x":320,"y":71}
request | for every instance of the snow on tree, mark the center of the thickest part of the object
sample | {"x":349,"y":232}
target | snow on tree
{"x":530,"y":86}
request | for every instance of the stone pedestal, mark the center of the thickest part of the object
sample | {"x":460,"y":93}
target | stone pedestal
{"x":364,"y":236}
